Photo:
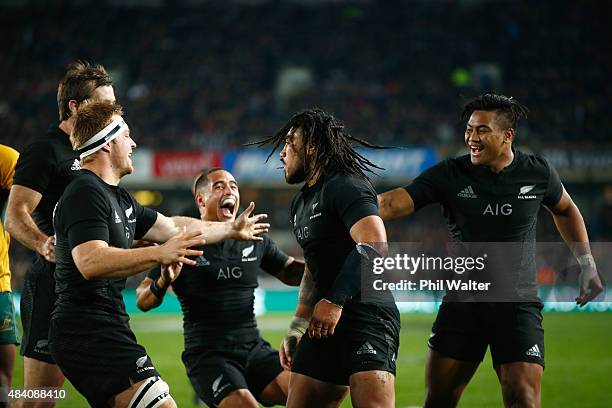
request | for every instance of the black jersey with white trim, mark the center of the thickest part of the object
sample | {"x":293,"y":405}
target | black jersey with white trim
{"x":481,"y":206}
{"x":217,"y":294}
{"x":89,"y":210}
{"x":47,"y":166}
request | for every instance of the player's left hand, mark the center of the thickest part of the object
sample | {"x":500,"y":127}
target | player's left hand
{"x":247,"y":227}
{"x":324,"y":319}
{"x":590,"y":284}
{"x":170,"y":272}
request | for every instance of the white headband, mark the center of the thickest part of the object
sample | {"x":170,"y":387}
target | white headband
{"x":101,"y":138}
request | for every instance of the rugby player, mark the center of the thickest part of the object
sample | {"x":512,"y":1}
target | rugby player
{"x":351,"y":344}
{"x":96,"y":222}
{"x":227,"y":361}
{"x":9,"y":334}
{"x":44,"y":169}
{"x":493,"y":194}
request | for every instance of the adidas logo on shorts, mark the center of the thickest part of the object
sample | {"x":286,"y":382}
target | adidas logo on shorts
{"x":534,"y":351}
{"x":467,"y":192}
{"x":366,"y":349}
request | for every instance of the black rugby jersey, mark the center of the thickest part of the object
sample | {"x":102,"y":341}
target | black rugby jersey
{"x":217,"y":294}
{"x":91,"y":209}
{"x":482,"y":206}
{"x":322,"y":216}
{"x":47,"y":166}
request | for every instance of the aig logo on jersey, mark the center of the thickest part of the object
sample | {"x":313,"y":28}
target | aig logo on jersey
{"x":497,"y":209}
{"x":248,"y":251}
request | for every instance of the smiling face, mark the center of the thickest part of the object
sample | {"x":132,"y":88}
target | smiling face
{"x":292,"y":157}
{"x":219,"y":198}
{"x":489,"y":143}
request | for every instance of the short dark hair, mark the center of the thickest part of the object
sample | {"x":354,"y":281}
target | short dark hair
{"x":508,"y":109}
{"x":202,"y":178}
{"x":79,"y":83}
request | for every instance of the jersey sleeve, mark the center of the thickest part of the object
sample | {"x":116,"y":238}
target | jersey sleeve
{"x":555,"y":188}
{"x":352,"y":198}
{"x":426,"y":188}
{"x":154,"y":273}
{"x":273,"y":259}
{"x":85,"y":212}
{"x":145,"y":218}
{"x":36,"y":167}
{"x":8,"y":159}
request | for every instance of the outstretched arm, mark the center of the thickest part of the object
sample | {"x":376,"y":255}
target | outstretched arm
{"x":394,"y":204}
{"x":97,"y":260}
{"x":570,"y":224}
{"x":245,"y":227}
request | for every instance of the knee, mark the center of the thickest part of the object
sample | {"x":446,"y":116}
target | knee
{"x":519,"y":393}
{"x":239,"y":398}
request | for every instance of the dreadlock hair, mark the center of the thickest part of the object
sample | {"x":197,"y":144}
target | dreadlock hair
{"x":509,"y":110}
{"x":333,"y":150}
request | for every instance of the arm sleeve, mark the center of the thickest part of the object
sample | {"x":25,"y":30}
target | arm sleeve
{"x":85,"y":214}
{"x":7,"y":166}
{"x":555,"y":188}
{"x":154,"y":273}
{"x":35,"y":167}
{"x":427,"y":187}
{"x":273,"y":260}
{"x":353,"y":199}
{"x":145,"y":218}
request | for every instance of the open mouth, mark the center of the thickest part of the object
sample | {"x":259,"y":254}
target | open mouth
{"x":228,"y":204}
{"x":476,"y":150}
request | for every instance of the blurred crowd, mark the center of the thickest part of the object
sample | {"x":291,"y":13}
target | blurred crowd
{"x":396,"y":73}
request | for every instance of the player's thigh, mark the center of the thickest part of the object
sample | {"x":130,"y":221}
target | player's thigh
{"x":446,"y":377}
{"x":37,"y":373}
{"x":145,"y":393}
{"x":373,"y":389}
{"x":241,"y":398}
{"x":520,"y":383}
{"x":276,"y":392}
{"x":266,"y":379}
{"x":215,"y":374}
{"x":306,"y":392}
{"x":7,"y":362}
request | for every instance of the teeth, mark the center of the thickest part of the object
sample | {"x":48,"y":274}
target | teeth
{"x":228,"y":201}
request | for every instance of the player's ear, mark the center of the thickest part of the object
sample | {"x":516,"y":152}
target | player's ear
{"x":199,"y":199}
{"x":106,"y":147}
{"x":509,"y":135}
{"x":73,"y":106}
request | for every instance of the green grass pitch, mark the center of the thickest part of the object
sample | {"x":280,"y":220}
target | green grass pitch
{"x":578,"y":357}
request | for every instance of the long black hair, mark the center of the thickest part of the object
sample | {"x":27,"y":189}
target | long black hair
{"x":333,"y":146}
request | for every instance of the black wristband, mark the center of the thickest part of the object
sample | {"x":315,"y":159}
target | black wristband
{"x":156,"y":290}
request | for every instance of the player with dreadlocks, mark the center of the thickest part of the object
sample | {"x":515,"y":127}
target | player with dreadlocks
{"x":350,"y":342}
{"x":494,"y":194}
